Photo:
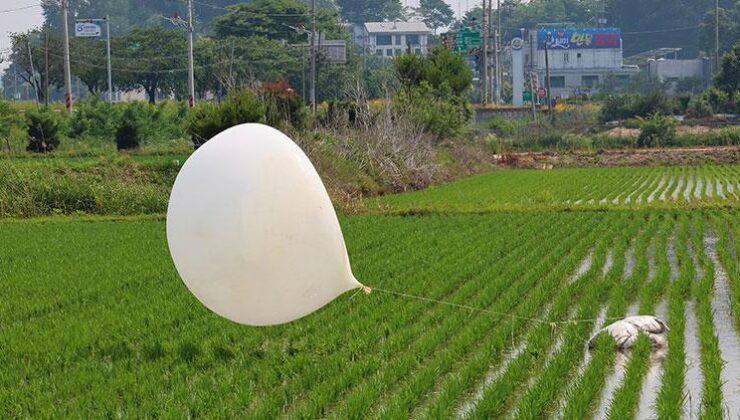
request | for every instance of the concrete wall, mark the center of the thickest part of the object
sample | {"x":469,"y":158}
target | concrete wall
{"x":676,"y":69}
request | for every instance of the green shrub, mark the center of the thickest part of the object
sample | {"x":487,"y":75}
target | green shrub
{"x":630,"y":105}
{"x":44,"y":130}
{"x":129,"y":131}
{"x":94,"y":118}
{"x":699,"y":107}
{"x":441,"y":114}
{"x":656,"y":130}
{"x":501,"y":126}
{"x":209,"y":119}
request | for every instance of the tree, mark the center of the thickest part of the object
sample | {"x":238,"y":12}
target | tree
{"x":729,"y":30}
{"x":275,"y":19}
{"x":728,"y":78}
{"x":153,"y":59}
{"x":361,"y":11}
{"x":88,"y":63}
{"x":436,"y":13}
{"x":21,"y":61}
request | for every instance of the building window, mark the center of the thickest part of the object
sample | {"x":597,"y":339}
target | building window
{"x":412,"y":39}
{"x":398,"y":39}
{"x":383,"y":40}
{"x":578,"y":55}
{"x":566,"y":58}
{"x":417,"y":50}
{"x":590,"y":81}
{"x":557,"y":81}
{"x":379,"y":52}
{"x":389,"y":52}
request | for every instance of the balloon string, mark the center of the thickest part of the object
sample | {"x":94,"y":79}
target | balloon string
{"x":484,"y":310}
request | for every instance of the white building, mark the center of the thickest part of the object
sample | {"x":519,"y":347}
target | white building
{"x":673,"y":70}
{"x":388,"y":39}
{"x":580,"y":59}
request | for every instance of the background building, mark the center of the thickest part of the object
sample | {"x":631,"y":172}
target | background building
{"x":579,"y":58}
{"x":388,"y":39}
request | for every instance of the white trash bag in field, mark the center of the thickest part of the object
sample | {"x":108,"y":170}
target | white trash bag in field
{"x":252,"y":231}
{"x":626,"y":331}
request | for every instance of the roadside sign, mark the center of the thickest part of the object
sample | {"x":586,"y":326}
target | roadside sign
{"x":527,"y":96}
{"x":517,"y":44}
{"x":541,"y":92}
{"x":87,"y":29}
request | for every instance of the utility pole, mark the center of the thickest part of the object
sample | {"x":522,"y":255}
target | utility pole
{"x":191,"y":76}
{"x":312,"y":92}
{"x":485,"y":53}
{"x":46,"y":67}
{"x":33,"y":71}
{"x":105,"y":19}
{"x":489,"y":68}
{"x":67,"y":70}
{"x":716,"y":36}
{"x":107,"y":52}
{"x":497,"y":52}
{"x":547,"y":76}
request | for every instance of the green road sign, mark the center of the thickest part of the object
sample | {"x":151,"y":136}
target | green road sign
{"x":466,"y":38}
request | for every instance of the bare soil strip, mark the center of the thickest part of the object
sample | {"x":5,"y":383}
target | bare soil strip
{"x":729,"y":340}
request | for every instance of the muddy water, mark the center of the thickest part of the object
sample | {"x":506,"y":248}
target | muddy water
{"x":629,"y":197}
{"x":585,"y":360}
{"x":694,"y":379}
{"x":718,"y":187}
{"x":672,"y":259}
{"x":612,"y":383}
{"x":651,"y":262}
{"x":730,"y":189}
{"x":469,"y":405}
{"x":629,"y":263}
{"x":710,"y":187}
{"x":582,"y":268}
{"x":608,"y":263}
{"x":677,"y":191}
{"x":729,"y":341}
{"x":651,"y":383}
{"x":689,"y":187}
{"x":651,"y":197}
{"x":667,"y":188}
{"x":615,"y":378}
{"x":699,"y":188}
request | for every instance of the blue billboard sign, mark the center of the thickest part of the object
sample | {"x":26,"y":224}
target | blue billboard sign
{"x":579,"y":38}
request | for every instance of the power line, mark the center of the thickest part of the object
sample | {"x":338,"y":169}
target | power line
{"x":17,"y":9}
{"x":686,"y":28}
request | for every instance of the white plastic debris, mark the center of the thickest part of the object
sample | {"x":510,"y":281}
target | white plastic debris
{"x":626,"y":331}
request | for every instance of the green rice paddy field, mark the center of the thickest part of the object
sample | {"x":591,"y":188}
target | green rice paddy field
{"x":94,"y":320}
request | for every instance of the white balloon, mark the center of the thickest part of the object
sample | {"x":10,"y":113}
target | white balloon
{"x":252,"y":231}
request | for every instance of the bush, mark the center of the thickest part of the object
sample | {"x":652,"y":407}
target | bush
{"x":282,"y":104}
{"x":94,"y":118}
{"x":656,"y":130}
{"x":439,"y":113}
{"x":699,"y":107}
{"x":209,"y":119}
{"x":630,"y":105}
{"x":501,"y":126}
{"x":129,"y":131}
{"x":44,"y":130}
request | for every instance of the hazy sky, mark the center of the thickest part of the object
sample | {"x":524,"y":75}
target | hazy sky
{"x":22,"y":20}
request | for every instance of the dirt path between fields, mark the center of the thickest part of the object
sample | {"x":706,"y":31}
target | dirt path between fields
{"x":623,"y":157}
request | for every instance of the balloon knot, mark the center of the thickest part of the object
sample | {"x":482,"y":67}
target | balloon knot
{"x":366,"y":289}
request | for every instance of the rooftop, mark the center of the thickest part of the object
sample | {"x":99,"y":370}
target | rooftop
{"x":391,"y":27}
